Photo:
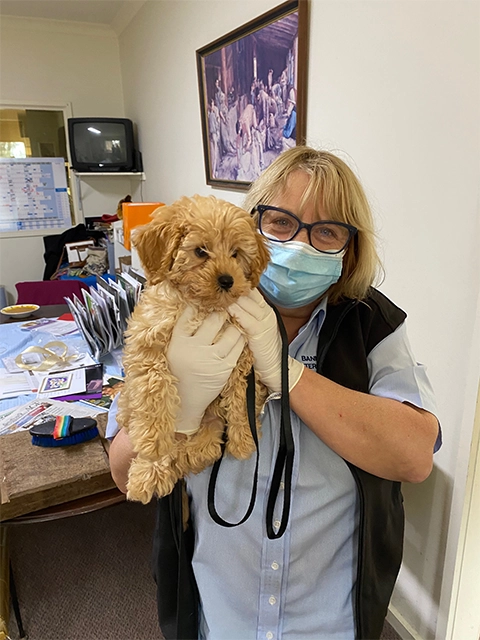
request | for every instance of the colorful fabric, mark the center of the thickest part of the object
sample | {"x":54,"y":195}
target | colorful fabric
{"x":62,"y":425}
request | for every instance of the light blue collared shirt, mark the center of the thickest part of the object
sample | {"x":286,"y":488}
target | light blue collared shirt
{"x":300,"y":586}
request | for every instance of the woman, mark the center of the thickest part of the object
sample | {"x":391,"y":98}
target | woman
{"x":362,"y":417}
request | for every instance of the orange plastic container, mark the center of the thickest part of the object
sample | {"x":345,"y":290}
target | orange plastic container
{"x":134,"y":215}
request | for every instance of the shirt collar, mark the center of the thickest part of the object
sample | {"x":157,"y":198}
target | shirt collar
{"x":318,"y":316}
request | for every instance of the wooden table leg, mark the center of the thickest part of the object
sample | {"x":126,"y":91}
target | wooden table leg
{"x":16,"y":604}
{"x":4,"y":583}
{"x":8,"y":592}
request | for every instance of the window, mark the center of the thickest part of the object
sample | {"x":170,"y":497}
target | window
{"x":34,"y":133}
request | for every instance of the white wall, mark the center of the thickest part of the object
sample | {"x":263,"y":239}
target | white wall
{"x":394,"y":88}
{"x":53,"y":63}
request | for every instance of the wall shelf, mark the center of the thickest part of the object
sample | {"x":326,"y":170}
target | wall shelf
{"x":92,"y":174}
{"x":82,"y":177}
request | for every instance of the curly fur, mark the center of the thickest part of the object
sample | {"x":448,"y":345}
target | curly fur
{"x":177,"y":275}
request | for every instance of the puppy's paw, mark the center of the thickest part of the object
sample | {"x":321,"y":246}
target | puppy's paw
{"x":147,"y":478}
{"x":137,"y":494}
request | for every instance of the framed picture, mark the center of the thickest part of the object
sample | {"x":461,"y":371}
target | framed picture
{"x":252,"y":87}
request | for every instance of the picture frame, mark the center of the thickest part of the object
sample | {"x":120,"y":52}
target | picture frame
{"x":252,"y":89}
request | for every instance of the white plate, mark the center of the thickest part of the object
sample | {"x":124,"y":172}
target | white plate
{"x":19,"y":310}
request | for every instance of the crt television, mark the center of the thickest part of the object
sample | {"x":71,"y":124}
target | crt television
{"x":102,"y":145}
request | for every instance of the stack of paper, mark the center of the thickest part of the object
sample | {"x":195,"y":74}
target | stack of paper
{"x":22,"y":418}
{"x":102,"y":315}
{"x":53,"y":326}
{"x":74,"y":383}
{"x":16,"y":384}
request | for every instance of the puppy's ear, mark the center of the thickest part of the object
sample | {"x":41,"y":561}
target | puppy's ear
{"x":157,"y":243}
{"x":260,"y":260}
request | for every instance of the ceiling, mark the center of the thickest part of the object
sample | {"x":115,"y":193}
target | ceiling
{"x":113,"y":13}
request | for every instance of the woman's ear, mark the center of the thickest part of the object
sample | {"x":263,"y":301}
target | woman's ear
{"x":157,"y":243}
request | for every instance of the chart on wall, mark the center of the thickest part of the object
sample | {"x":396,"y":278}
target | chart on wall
{"x":33,"y":194}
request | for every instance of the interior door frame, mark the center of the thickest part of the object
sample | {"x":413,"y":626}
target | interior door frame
{"x":464,"y":611}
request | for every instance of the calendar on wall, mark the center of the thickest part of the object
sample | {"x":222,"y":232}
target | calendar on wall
{"x":33,"y":194}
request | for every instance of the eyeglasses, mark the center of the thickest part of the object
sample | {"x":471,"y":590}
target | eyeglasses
{"x":326,"y":236}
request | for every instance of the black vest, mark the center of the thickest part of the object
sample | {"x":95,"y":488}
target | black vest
{"x":350,"y":331}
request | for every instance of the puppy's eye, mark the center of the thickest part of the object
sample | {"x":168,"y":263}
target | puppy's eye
{"x":234,"y":254}
{"x":200,"y":252}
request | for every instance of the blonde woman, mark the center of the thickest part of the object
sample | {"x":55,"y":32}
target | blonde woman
{"x":319,"y":554}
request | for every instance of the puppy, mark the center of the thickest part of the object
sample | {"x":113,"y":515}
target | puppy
{"x":205,"y":253}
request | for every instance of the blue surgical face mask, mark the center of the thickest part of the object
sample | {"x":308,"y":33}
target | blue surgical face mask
{"x":298,"y":274}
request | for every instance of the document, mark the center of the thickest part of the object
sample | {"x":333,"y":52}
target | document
{"x":15,"y":384}
{"x":102,"y":315}
{"x":65,"y":383}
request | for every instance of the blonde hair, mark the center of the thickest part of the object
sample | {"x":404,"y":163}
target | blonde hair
{"x":334,"y":186}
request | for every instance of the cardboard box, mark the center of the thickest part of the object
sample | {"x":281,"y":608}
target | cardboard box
{"x":125,"y":260}
{"x":134,"y":215}
{"x":77,"y":251}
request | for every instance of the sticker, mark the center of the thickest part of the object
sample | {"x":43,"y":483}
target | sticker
{"x":56,"y":383}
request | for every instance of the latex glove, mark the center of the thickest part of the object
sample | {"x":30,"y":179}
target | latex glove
{"x":201,"y":365}
{"x":260,"y":323}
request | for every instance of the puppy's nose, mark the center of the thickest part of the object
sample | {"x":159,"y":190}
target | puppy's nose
{"x":225,"y":281}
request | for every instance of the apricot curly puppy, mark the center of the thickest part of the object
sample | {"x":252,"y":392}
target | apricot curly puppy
{"x":204,"y":253}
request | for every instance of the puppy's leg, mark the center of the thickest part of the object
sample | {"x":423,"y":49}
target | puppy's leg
{"x":150,"y":413}
{"x":203,"y":447}
{"x":146,"y":478}
{"x":153,"y":402}
{"x":233,"y":401}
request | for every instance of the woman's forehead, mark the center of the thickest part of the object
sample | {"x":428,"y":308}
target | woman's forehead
{"x":300,"y":196}
{"x":297,"y":184}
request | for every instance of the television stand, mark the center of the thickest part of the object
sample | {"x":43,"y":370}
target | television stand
{"x":91,"y":178}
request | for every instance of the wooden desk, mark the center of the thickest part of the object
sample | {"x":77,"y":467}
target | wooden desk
{"x":33,"y":479}
{"x":38,"y":484}
{"x":38,"y":478}
{"x":47,"y":311}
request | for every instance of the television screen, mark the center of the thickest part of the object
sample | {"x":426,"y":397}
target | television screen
{"x":101,"y":144}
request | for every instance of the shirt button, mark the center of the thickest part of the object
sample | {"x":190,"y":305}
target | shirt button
{"x":272,"y":600}
{"x":277,"y":524}
{"x":274,"y":566}
{"x":282,"y":485}
{"x":269,"y":635}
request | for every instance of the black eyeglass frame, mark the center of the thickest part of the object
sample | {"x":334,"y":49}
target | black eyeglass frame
{"x":352,"y":231}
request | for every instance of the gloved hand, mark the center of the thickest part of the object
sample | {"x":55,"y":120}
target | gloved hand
{"x":201,"y":365}
{"x":260,"y":323}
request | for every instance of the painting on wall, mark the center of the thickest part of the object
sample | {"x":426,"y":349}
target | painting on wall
{"x":252,"y":87}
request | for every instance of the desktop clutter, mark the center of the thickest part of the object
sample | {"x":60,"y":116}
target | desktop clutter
{"x":98,"y":248}
{"x":200,"y":254}
{"x":59,"y":373}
